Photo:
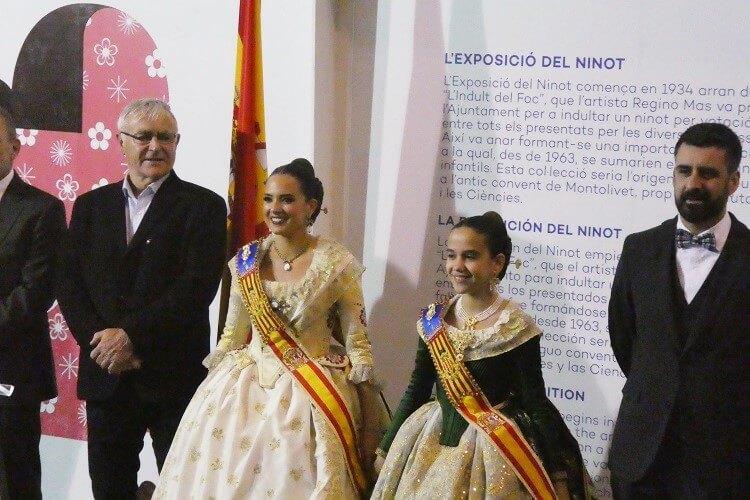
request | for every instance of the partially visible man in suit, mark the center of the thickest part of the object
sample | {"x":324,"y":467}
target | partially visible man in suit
{"x":143,"y":264}
{"x":32,"y":225}
{"x":679,"y":321}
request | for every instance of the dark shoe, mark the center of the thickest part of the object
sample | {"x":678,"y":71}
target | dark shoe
{"x":145,"y":490}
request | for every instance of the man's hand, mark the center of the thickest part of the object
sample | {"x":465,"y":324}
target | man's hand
{"x":121,"y":364}
{"x":113,"y":351}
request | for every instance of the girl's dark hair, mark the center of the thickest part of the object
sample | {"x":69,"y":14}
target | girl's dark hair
{"x":303,"y":171}
{"x":492,"y":227}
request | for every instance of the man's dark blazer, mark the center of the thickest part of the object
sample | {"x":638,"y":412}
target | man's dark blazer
{"x":157,"y":288}
{"x":698,"y":385}
{"x":32,"y":225}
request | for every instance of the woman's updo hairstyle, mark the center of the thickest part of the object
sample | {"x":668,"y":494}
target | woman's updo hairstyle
{"x":492,"y":227}
{"x":303,"y":171}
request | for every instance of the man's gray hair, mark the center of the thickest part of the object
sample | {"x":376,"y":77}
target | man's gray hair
{"x":145,"y":108}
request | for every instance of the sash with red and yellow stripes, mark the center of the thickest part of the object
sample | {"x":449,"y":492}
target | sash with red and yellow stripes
{"x":305,"y":370}
{"x":469,"y":400}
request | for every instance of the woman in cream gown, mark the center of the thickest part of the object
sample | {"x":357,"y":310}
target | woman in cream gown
{"x":252,"y":430}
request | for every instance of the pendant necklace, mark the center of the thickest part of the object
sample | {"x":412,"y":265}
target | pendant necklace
{"x":287,"y":261}
{"x":471,"y":321}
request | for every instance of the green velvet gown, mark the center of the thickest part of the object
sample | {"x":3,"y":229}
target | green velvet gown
{"x":432,"y":450}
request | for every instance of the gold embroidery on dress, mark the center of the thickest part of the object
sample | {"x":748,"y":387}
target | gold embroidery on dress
{"x":194,"y":455}
{"x":246,"y":443}
{"x":274,"y":444}
{"x":232,"y":480}
{"x":210,"y":409}
{"x":461,"y":340}
{"x":242,"y":359}
{"x":217,"y":433}
{"x":259,"y":407}
{"x":216,"y":464}
{"x":257,"y":468}
{"x":284,"y":402}
{"x":510,"y":324}
{"x":296,"y":474}
{"x":295,"y":424}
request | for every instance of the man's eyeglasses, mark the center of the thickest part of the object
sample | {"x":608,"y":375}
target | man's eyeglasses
{"x":145,"y":137}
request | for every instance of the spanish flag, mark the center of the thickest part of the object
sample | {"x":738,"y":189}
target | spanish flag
{"x":248,"y":169}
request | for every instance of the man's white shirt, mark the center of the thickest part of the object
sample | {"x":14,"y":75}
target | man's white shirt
{"x":137,"y":206}
{"x":694,"y":264}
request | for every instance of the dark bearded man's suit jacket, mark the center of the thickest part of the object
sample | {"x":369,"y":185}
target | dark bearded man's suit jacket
{"x":157,"y":288}
{"x":686,"y":383}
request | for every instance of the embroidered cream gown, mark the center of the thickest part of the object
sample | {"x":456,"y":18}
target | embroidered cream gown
{"x":251,"y":430}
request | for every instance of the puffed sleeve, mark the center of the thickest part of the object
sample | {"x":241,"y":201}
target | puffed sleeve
{"x":353,"y":322}
{"x":237,"y":325}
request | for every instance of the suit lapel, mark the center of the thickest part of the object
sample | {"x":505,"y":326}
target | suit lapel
{"x":664,"y":265}
{"x":115,"y":210}
{"x":163,"y":200}
{"x":11,"y":205}
{"x":725,"y":275}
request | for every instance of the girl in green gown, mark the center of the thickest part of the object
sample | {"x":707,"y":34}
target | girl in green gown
{"x":431,"y":450}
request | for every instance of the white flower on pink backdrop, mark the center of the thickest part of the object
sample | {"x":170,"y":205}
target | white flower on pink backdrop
{"x":85,"y":80}
{"x":48,"y":406}
{"x":118,"y":89}
{"x":100,"y":183}
{"x":155,"y":66}
{"x":127,"y":24}
{"x":100,"y":136}
{"x":27,"y":139}
{"x":60,"y":152}
{"x":24,"y":172}
{"x":82,"y":413}
{"x":105,"y":52}
{"x":58,"y":329}
{"x":67,"y":187}
{"x":69,"y":366}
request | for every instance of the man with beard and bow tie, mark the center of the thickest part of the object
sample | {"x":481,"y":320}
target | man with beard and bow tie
{"x":679,"y":321}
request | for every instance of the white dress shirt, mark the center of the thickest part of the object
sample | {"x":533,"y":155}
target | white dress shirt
{"x":5,"y":182}
{"x":694,"y":264}
{"x":137,"y":206}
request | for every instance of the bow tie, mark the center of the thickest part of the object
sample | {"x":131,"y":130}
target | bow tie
{"x":684,"y":239}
